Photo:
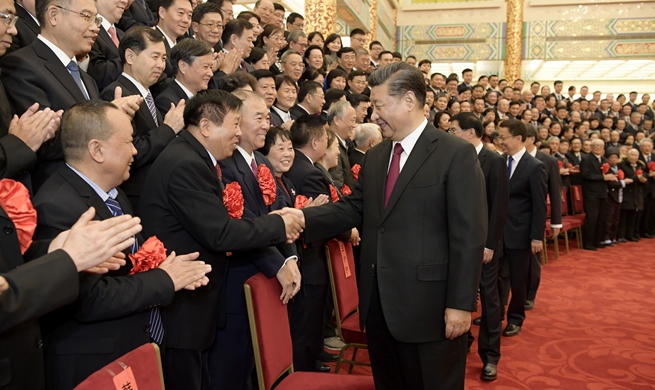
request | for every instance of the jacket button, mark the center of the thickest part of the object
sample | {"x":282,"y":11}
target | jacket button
{"x":372,"y":266}
{"x":39,"y":344}
{"x":146,"y":328}
{"x":381,"y":230}
{"x":8,"y":230}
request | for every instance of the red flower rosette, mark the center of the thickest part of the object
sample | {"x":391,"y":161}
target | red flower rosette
{"x":651,"y":166}
{"x":266,"y":184}
{"x":345,"y":190}
{"x":233,"y":200}
{"x":334,"y":195}
{"x":301,"y":202}
{"x":151,"y":254}
{"x":15,"y":200}
{"x":621,"y":175}
{"x":355,"y":170}
{"x":639,"y":172}
{"x":560,"y":164}
{"x":605,"y":168}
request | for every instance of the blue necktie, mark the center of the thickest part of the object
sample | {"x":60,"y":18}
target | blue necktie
{"x":75,"y":72}
{"x":509,"y":167}
{"x":156,"y":323}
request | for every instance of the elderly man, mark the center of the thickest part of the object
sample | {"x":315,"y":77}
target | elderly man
{"x":105,"y":65}
{"x":292,"y":64}
{"x":109,"y":319}
{"x":367,"y":135}
{"x":343,"y":122}
{"x":298,"y":41}
{"x":594,"y":190}
{"x":647,"y":222}
{"x":264,"y":9}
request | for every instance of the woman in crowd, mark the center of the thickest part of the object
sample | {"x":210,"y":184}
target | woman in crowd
{"x":316,"y":38}
{"x":272,"y":40}
{"x":442,"y":121}
{"x":332,"y":46}
{"x":311,"y":74}
{"x":314,"y":57}
{"x":453,"y":107}
{"x":337,"y":79}
{"x":286,"y":98}
{"x":258,"y":59}
{"x":254,"y":19}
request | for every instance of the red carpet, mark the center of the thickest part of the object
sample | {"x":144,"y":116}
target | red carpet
{"x":592,"y":327}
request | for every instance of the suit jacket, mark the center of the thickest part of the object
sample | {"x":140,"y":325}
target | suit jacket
{"x":105,"y":65}
{"x":554,"y":186}
{"x":112,"y":314}
{"x":172,"y":94}
{"x":526,"y":217}
{"x":137,"y":15}
{"x":15,"y":157}
{"x":437,"y":255}
{"x":35,"y":74}
{"x":297,"y":111}
{"x":182,"y":204}
{"x":497,"y":189}
{"x":26,"y":27}
{"x":149,"y":139}
{"x":355,"y":157}
{"x":593,"y":182}
{"x":615,"y":188}
{"x":276,"y":119}
{"x":632,"y":193}
{"x":649,"y":186}
{"x":341,"y":173}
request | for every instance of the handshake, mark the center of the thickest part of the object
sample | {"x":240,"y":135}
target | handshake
{"x":294,"y":222}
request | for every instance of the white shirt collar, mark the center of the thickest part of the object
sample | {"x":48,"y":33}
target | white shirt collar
{"x":58,"y":52}
{"x":188,"y":93}
{"x":248,"y":157}
{"x":517,"y":157}
{"x":283,"y":114}
{"x":533,"y":153}
{"x":212,"y":157}
{"x":142,"y":90}
{"x":343,"y":143}
{"x":105,"y":24}
{"x":304,"y":109}
{"x":171,"y":43}
{"x":408,"y":143}
{"x":478,"y":148}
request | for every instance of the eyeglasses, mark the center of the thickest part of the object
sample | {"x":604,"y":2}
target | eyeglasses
{"x":212,"y":26}
{"x":318,"y":96}
{"x":91,"y":20}
{"x":228,"y":12}
{"x":10,"y":19}
{"x":358,"y":39}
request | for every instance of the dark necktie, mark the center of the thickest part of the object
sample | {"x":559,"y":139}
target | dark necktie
{"x":394,"y":172}
{"x":151,"y":107}
{"x":253,"y":166}
{"x":156,"y":323}
{"x":75,"y":72}
{"x":509,"y":167}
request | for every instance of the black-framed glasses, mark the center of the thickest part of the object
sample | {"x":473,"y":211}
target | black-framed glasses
{"x":91,"y":20}
{"x":10,"y":19}
{"x":212,"y":26}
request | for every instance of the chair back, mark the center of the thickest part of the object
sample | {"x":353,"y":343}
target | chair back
{"x":565,"y":203}
{"x":341,"y":266}
{"x":269,"y":329}
{"x":548,"y":206}
{"x":140,"y":367}
{"x":578,"y":202}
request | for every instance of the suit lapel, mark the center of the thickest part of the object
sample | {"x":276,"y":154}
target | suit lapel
{"x":425,"y":145}
{"x":93,"y":200}
{"x":381,"y":165}
{"x":143,"y":109}
{"x":250,"y":181}
{"x":58,"y":70}
{"x":104,"y":35}
{"x":519,"y":168}
{"x":482,"y":156}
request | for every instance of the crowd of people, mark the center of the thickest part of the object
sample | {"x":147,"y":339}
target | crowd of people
{"x":155,"y":155}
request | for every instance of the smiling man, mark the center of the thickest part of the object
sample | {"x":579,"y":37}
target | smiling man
{"x":174,"y":22}
{"x":143,"y":54}
{"x":265,"y":87}
{"x":104,"y":61}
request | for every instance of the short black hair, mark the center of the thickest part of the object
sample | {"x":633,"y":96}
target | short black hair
{"x":247,"y":15}
{"x":410,"y":56}
{"x":515,"y":127}
{"x":332,"y":95}
{"x":334,"y":73}
{"x":188,"y":50}
{"x":279,"y":7}
{"x":483,"y":77}
{"x":310,"y":74}
{"x":424,"y":61}
{"x":262,"y":74}
{"x":370,"y":45}
{"x":256,"y":54}
{"x":514,"y":103}
{"x":236,"y":80}
{"x":203,"y":9}
{"x":396,"y":54}
{"x":291,"y":19}
{"x":235,"y":27}
{"x":166,"y":4}
{"x":283,"y":79}
{"x":466,"y":71}
{"x":306,"y":88}
{"x":138,"y":39}
{"x":344,"y":50}
{"x":467,"y":120}
{"x":356,"y":99}
{"x":357,"y":31}
{"x":385,"y":52}
{"x":356,"y":73}
{"x":305,"y":128}
{"x":271,"y":137}
{"x":212,"y":104}
{"x":313,"y":34}
{"x":437,"y":74}
{"x":558,"y":82}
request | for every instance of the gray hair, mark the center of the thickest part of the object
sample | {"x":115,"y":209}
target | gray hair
{"x":338,"y":109}
{"x":365,"y":132}
{"x":293,"y":36}
{"x":288,"y":53}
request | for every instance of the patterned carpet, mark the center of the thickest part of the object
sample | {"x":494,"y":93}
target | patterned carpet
{"x":592,"y":327}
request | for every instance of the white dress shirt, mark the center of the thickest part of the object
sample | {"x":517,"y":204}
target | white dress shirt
{"x":64,"y":58}
{"x":408,"y":144}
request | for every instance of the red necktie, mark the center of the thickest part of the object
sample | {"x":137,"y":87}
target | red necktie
{"x":219,"y":173}
{"x":253,"y":166}
{"x":112,"y":34}
{"x":394,"y":171}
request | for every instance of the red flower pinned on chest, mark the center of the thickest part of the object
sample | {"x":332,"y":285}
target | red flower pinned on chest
{"x":266,"y":184}
{"x":639,"y":172}
{"x":233,"y":200}
{"x":355,"y":170}
{"x":301,"y":201}
{"x":334,"y":195}
{"x":150,"y":256}
{"x":621,"y":175}
{"x":345,"y":190}
{"x":651,"y":166}
{"x":15,"y":200}
{"x":560,"y":164}
{"x":605,"y":168}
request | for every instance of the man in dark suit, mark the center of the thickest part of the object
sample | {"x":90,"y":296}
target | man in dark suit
{"x":105,"y":65}
{"x":116,"y":312}
{"x":647,"y":222}
{"x":366,"y":137}
{"x":151,"y":132}
{"x":468,"y":127}
{"x":311,"y":99}
{"x":137,"y":15}
{"x":26,"y":25}
{"x":594,"y":193}
{"x":554,"y":192}
{"x":182,"y":204}
{"x":343,"y":122}
{"x":404,"y":262}
{"x":526,"y":218}
{"x":174,"y":21}
{"x":245,"y":166}
{"x":207,"y":24}
{"x":193,"y":62}
{"x":47,"y":73}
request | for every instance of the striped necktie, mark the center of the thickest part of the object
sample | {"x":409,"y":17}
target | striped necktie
{"x":151,"y":107}
{"x":156,"y":323}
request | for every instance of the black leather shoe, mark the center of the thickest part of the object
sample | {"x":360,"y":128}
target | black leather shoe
{"x":477,"y":321}
{"x":529,"y":305}
{"x":633,"y":239}
{"x":327,"y":357}
{"x":489,"y":372}
{"x":590,"y":248}
{"x":622,"y":240}
{"x":511,"y":330}
{"x":649,"y":235}
{"x":320,"y":367}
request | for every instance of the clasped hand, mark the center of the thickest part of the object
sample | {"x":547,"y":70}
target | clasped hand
{"x":294,"y":222}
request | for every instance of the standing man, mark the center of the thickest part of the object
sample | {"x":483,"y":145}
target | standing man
{"x":526,"y":218}
{"x":105,"y":65}
{"x":174,"y":22}
{"x":264,"y":9}
{"x":343,"y":121}
{"x":594,"y":191}
{"x":405,"y":260}
{"x":367,"y":136}
{"x":468,"y":127}
{"x":376,"y":49}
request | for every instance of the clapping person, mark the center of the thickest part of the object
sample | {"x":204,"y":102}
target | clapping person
{"x":615,"y":197}
{"x":285,"y":100}
{"x":594,"y":190}
{"x":633,"y":200}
